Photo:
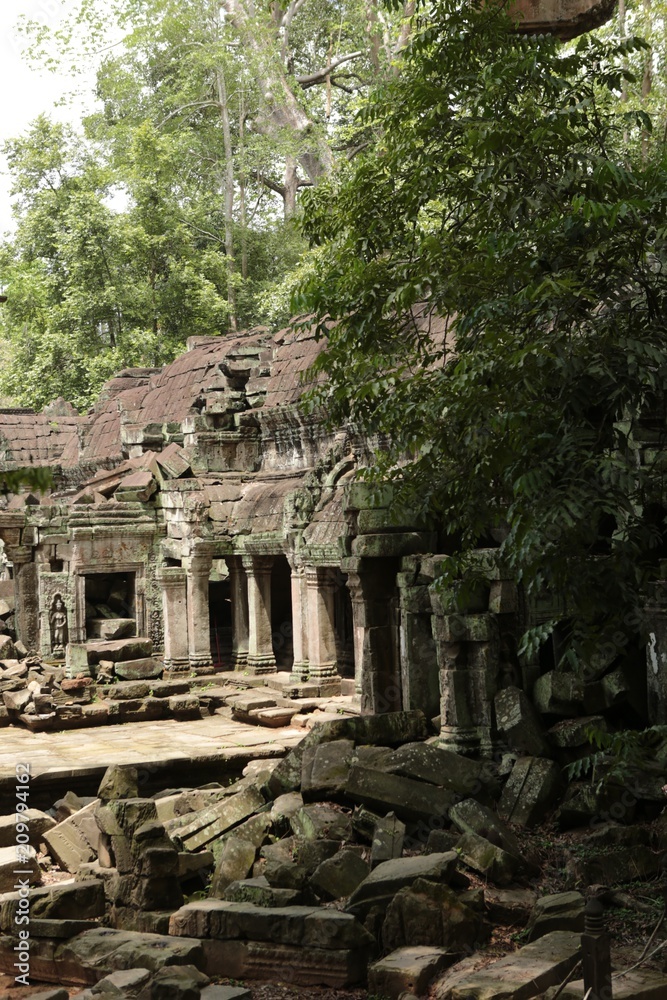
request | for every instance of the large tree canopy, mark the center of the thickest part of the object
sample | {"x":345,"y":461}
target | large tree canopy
{"x":500,"y":188}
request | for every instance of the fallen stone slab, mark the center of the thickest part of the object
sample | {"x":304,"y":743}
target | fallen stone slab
{"x":641,"y":984}
{"x":522,"y":975}
{"x":387,"y":879}
{"x":407,"y":798}
{"x":560,"y":911}
{"x":178,"y":982}
{"x":235,"y":862}
{"x":62,"y":901}
{"x":138,"y":670}
{"x":470,"y":816}
{"x":12,"y":863}
{"x":117,"y":650}
{"x":94,"y":954}
{"x":388,"y":837}
{"x":557,"y":693}
{"x":325,"y":768}
{"x":75,"y":841}
{"x":511,"y":907}
{"x":126,"y":983}
{"x":208,"y":824}
{"x":321,"y":821}
{"x":487,"y":859}
{"x":310,"y":926}
{"x":519,"y":723}
{"x":431,"y":914}
{"x":47,"y":927}
{"x":216,"y":992}
{"x":407,"y":970}
{"x":389,"y":729}
{"x":438,"y":766}
{"x":531,"y":789}
{"x":119,"y":782}
{"x":38,"y":823}
{"x":339,"y":876}
{"x":259,"y":892}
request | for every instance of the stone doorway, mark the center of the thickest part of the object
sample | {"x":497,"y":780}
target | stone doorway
{"x":111,"y":611}
{"x":281,"y":613}
{"x":343,"y":627}
{"x":220,"y":619}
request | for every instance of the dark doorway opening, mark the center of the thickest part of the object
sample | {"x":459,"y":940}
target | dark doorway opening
{"x":111,"y":605}
{"x":281,"y":613}
{"x":343,"y":627}
{"x":220,"y":617}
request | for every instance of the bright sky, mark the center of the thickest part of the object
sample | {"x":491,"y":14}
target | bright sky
{"x":26,"y":92}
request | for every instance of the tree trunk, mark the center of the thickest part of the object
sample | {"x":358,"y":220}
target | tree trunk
{"x":228,"y":191}
{"x":280,"y":110}
{"x":291,"y":184}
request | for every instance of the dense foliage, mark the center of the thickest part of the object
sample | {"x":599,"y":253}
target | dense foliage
{"x":507,"y":188}
{"x":171,"y":215}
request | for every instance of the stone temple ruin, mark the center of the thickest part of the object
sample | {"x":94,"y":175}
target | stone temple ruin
{"x":200,"y":521}
{"x":208,"y":550}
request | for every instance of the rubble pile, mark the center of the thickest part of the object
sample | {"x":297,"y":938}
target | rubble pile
{"x":120,"y":680}
{"x":368,"y":854}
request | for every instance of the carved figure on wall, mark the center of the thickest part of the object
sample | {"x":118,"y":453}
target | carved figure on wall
{"x":58,"y":623}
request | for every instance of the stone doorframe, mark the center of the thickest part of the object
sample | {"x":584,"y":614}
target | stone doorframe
{"x":78,"y":629}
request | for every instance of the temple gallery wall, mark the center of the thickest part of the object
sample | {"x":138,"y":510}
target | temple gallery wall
{"x":198,"y":507}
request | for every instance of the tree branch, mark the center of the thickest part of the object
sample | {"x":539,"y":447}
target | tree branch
{"x":183,"y":107}
{"x":312,"y":79}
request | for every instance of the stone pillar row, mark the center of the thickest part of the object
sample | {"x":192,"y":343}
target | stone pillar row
{"x":186,"y":616}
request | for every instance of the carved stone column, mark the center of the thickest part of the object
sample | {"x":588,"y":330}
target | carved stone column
{"x":301,"y":666}
{"x":238,"y":589}
{"x":372,"y":586}
{"x":199,"y":626}
{"x":321,"y":632}
{"x":172,"y":580}
{"x":26,"y":593}
{"x":261,"y":659}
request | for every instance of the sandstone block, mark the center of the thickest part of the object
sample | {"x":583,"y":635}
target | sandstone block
{"x":325,"y":768}
{"x":389,"y":729}
{"x":321,"y":821}
{"x":260,"y":893}
{"x":531,"y":789}
{"x":117,"y":650}
{"x":235,"y":862}
{"x":209,"y":823}
{"x":138,"y":670}
{"x":103,"y":951}
{"x":339,"y":876}
{"x":407,"y":970}
{"x":560,"y":911}
{"x":488,"y":859}
{"x":38,"y":823}
{"x":64,"y":901}
{"x":388,"y":838}
{"x":407,"y":798}
{"x":430,"y":914}
{"x":387,"y":879}
{"x":528,"y":972}
{"x":119,"y":783}
{"x":11,"y":862}
{"x":519,"y":723}
{"x":69,"y":842}
{"x":556,"y":693}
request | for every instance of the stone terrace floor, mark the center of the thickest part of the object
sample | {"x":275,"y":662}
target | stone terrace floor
{"x":153,"y":746}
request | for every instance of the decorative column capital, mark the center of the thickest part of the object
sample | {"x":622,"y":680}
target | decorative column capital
{"x":257,"y":565}
{"x":171,"y":576}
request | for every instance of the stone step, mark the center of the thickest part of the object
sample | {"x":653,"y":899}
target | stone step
{"x":642,"y":984}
